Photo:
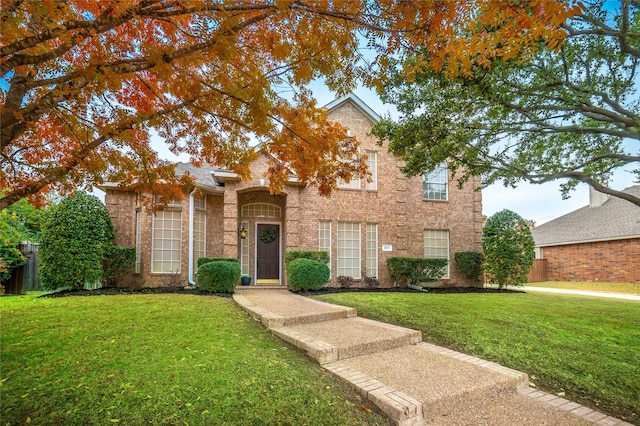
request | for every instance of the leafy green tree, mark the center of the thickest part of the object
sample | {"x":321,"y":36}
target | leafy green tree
{"x":571,"y":112}
{"x":19,"y":222}
{"x":75,"y":239}
{"x":508,"y":249}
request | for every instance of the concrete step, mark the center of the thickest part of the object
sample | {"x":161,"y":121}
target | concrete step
{"x":420,"y":383}
{"x":330,"y":341}
{"x":274,"y":310}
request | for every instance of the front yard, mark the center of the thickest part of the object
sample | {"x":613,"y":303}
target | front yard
{"x":158,"y":359}
{"x":584,"y":348}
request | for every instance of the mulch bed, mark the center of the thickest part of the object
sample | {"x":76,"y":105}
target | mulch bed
{"x":108,"y":291}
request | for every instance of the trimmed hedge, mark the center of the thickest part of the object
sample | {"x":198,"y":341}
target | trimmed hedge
{"x":470,"y":264}
{"x":219,"y":276}
{"x":205,"y":260}
{"x":117,"y":263}
{"x":307,"y":274}
{"x":414,"y":270}
{"x":318,"y":256}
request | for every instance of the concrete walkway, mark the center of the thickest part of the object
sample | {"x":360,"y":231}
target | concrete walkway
{"x":412,"y":382}
{"x":622,"y":296}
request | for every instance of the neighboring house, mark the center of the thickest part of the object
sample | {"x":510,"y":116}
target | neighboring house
{"x":599,"y":242}
{"x":360,"y":225}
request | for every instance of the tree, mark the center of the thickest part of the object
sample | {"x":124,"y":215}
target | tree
{"x":76,"y":237}
{"x":570,"y":112}
{"x":19,"y":222}
{"x":85,"y":83}
{"x":508,"y":248}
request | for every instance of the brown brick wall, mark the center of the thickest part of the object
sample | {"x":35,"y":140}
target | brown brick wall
{"x":609,"y":261}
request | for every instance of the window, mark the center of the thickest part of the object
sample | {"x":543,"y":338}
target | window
{"x":434,"y":185}
{"x":353,"y":184}
{"x":244,"y":251}
{"x":372,"y":164}
{"x":167,"y":241}
{"x":199,"y":237}
{"x":260,"y":210}
{"x":349,"y":249}
{"x":138,"y":241}
{"x":436,"y":245}
{"x":372,"y":250}
{"x":199,"y":203}
{"x":324,"y":238}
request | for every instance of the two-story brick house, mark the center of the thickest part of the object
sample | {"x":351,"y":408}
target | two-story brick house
{"x":360,"y":225}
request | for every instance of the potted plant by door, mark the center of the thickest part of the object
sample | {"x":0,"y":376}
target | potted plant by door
{"x":245,"y":279}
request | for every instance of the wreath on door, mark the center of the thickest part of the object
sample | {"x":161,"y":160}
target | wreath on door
{"x":268,"y":235}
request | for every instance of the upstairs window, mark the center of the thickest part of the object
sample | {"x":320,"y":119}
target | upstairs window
{"x":372,"y":164}
{"x":435,"y":184}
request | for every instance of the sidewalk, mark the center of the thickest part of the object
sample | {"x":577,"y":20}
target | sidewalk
{"x":584,"y":293}
{"x":412,"y":382}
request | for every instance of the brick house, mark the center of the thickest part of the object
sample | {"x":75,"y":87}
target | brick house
{"x":598,"y":242}
{"x":360,"y":225}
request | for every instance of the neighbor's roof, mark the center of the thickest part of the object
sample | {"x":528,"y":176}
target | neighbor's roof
{"x":614,"y":220}
{"x":364,"y":108}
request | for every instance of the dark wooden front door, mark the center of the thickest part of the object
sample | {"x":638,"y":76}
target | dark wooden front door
{"x":268,"y":240}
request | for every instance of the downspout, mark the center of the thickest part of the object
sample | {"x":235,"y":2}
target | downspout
{"x":190,"y":269}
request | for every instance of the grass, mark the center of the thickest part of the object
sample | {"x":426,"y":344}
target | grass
{"x":586,"y":348}
{"x":158,"y":359}
{"x":629,"y":288}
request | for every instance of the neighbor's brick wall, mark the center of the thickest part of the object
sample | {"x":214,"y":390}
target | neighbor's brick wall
{"x":614,"y":261}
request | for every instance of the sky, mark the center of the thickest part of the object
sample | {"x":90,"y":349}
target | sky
{"x":540,"y":203}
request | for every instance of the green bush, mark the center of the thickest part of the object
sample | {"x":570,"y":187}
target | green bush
{"x":469,"y":263}
{"x":118,"y":262}
{"x":205,"y":260}
{"x":414,"y":270}
{"x":508,"y":248}
{"x":75,"y":239}
{"x":318,"y":256}
{"x":220,"y":276}
{"x":307,"y":274}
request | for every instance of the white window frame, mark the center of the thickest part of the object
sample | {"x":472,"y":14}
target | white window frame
{"x":372,"y":164}
{"x":354,"y":249}
{"x":435,"y":185}
{"x":372,"y":250}
{"x":324,"y":240}
{"x":138,"y":267}
{"x":244,"y":250}
{"x":439,"y":251}
{"x":158,"y":265}
{"x":199,"y":235}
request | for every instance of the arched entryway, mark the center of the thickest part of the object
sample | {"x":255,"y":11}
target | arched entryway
{"x":261,"y":215}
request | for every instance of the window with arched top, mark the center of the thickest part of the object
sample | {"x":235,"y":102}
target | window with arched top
{"x":261,"y":210}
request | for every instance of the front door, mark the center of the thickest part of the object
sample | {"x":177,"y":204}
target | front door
{"x":268,"y":259}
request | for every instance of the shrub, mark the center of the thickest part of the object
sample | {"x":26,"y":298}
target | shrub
{"x":344,"y":281}
{"x":205,"y":260}
{"x":307,"y":274}
{"x":508,"y":249}
{"x":319,"y":256}
{"x":469,"y":263}
{"x":414,"y":270}
{"x":220,"y":276}
{"x":75,"y":239}
{"x":118,"y":262}
{"x":370,"y":282}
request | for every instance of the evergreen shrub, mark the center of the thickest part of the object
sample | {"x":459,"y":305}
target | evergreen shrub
{"x":307,"y":274}
{"x":220,"y":276}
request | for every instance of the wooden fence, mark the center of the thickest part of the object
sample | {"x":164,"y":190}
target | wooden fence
{"x":539,"y":271}
{"x":25,"y":278}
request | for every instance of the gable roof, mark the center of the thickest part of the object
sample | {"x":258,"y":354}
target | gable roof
{"x":358,"y":103}
{"x":615,"y":219}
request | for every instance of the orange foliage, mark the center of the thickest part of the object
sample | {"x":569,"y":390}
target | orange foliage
{"x":83,"y":82}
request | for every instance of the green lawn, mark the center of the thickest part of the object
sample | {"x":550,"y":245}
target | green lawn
{"x":158,"y":359}
{"x":584,"y":347}
{"x":629,"y":288}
